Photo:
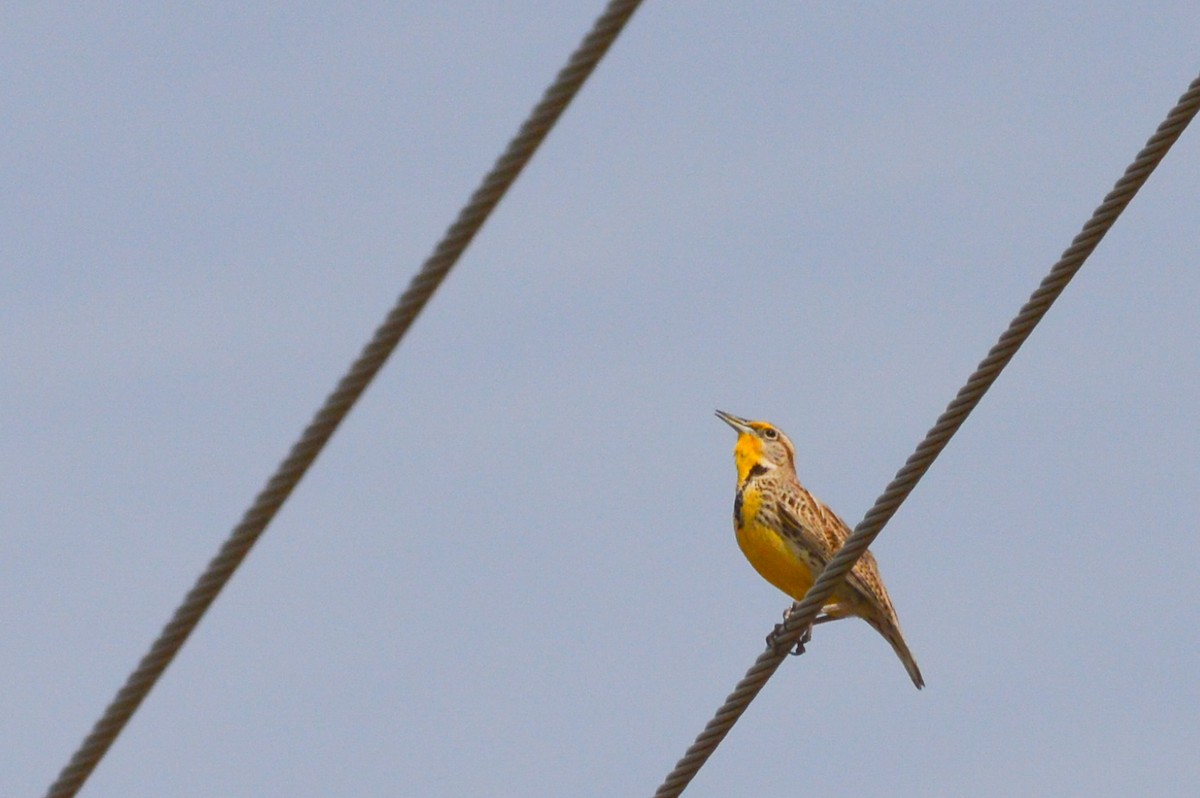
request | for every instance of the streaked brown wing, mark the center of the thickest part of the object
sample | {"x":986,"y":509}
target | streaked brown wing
{"x":818,"y":543}
{"x":834,"y":528}
{"x":866,"y":569}
{"x":803,"y":535}
{"x":827,"y":540}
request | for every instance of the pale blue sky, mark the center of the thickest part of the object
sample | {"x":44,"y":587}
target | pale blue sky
{"x":513,"y":572}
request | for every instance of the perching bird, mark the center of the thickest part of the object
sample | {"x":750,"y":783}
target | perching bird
{"x":788,"y":535}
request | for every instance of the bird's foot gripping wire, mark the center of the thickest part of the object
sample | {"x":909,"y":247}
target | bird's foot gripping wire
{"x":773,"y":637}
{"x":798,"y":649}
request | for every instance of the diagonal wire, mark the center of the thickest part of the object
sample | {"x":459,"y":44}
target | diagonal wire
{"x":555,"y":99}
{"x":803,"y":613}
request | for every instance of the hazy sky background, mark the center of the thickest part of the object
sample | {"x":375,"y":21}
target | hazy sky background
{"x":513,"y":572}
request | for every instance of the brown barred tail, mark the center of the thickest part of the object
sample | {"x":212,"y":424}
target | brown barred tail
{"x":891,"y":633}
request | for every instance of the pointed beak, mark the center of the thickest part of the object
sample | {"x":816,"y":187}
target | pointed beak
{"x":740,"y":425}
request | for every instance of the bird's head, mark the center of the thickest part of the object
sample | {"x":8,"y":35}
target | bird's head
{"x":760,"y":447}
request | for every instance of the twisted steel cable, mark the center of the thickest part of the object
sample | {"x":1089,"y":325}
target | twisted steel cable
{"x":485,"y":198}
{"x":803,"y":613}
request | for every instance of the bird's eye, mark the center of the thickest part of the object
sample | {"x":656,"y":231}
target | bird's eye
{"x":770,"y":434}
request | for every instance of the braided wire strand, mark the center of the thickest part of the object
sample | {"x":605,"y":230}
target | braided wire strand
{"x":470,"y":219}
{"x":804,"y":612}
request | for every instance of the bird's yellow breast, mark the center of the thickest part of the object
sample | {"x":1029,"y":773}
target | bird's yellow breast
{"x":776,"y":560}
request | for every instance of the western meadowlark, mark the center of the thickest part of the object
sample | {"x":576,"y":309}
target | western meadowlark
{"x":788,"y":535}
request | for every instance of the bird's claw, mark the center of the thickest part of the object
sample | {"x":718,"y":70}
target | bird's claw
{"x":773,"y":637}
